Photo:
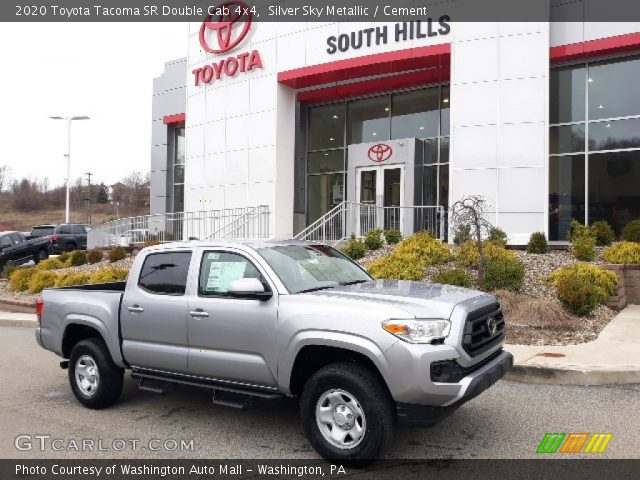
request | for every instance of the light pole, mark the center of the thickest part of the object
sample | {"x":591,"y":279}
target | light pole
{"x":68,"y":155}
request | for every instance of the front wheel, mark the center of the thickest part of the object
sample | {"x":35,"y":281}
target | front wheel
{"x":347,"y":413}
{"x":95,"y":380}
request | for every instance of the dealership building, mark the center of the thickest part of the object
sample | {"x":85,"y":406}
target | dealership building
{"x":349,"y":126}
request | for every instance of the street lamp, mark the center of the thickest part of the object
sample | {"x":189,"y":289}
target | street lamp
{"x":68,"y":155}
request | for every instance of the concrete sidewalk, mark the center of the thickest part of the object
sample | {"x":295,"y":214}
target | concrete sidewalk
{"x":10,"y":319}
{"x":614,"y":357}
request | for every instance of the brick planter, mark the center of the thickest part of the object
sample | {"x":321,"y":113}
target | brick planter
{"x":628,"y":286}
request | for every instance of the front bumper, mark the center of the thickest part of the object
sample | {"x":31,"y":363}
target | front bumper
{"x":472,"y":386}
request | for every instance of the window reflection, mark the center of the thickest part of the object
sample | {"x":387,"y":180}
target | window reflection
{"x":613,"y":89}
{"x":566,"y":194}
{"x":368,"y":120}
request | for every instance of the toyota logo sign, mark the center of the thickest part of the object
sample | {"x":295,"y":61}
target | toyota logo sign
{"x":380,"y":152}
{"x":492,"y":326}
{"x":230,"y":15}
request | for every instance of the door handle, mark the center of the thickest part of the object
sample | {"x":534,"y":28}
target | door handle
{"x":199,"y":313}
{"x":135,"y":309}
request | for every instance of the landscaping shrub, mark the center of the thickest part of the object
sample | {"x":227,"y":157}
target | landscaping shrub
{"x":462,"y":235}
{"x":468,"y":255}
{"x":150,"y":243}
{"x":631,"y":232}
{"x":373,"y":239}
{"x":51,"y":264}
{"x":78,"y":257}
{"x":42,"y":279}
{"x":577,"y":229}
{"x":8,"y":269}
{"x":503,"y":273}
{"x":581,"y":287}
{"x":523,"y":310}
{"x":116,"y":254}
{"x":538,"y":243}
{"x":603,"y":232}
{"x":453,"y":276}
{"x":392,"y":236}
{"x":584,"y":248}
{"x":397,"y":266}
{"x":19,"y":281}
{"x":497,"y":235}
{"x":64,"y":257}
{"x":94,"y":256}
{"x":426,"y":248}
{"x":623,"y":252}
{"x":70,"y":279}
{"x":355,"y":248}
{"x":109,"y":275}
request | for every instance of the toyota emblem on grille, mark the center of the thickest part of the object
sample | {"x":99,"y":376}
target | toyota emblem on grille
{"x":380,"y":152}
{"x":492,"y":326}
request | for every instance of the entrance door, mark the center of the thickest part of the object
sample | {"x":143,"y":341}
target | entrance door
{"x":380,"y":192}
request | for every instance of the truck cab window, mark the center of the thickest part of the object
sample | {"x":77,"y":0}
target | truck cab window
{"x":5,"y":241}
{"x":165,"y":273}
{"x":219,"y":269}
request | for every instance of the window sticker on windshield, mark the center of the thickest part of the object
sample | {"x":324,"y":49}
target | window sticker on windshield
{"x":223,"y":273}
{"x":213,"y":256}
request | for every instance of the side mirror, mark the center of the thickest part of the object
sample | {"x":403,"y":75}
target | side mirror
{"x":248,"y":288}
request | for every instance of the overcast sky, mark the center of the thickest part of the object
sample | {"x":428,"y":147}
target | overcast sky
{"x":103,"y":70}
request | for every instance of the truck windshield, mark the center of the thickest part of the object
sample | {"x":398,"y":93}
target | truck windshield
{"x":41,"y":231}
{"x":305,"y":268}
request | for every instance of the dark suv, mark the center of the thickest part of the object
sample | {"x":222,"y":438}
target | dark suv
{"x":64,"y":237}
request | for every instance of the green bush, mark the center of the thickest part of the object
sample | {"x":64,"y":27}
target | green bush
{"x":584,"y":248}
{"x":94,"y":256}
{"x":503,"y":274}
{"x":373,"y":239}
{"x":109,"y":275}
{"x":397,"y":266}
{"x":51,"y":264}
{"x":462,"y":235}
{"x":355,"y":248}
{"x":581,"y":287}
{"x":577,"y":229}
{"x":64,"y":257}
{"x":70,"y":279}
{"x":623,"y":252}
{"x":538,"y":243}
{"x":8,"y":269}
{"x":468,"y":255}
{"x":42,"y":279}
{"x":497,"y":235}
{"x":78,"y":258}
{"x":19,"y":281}
{"x":603,"y":232}
{"x":117,"y":254}
{"x":631,"y":232}
{"x":426,"y":248}
{"x":392,"y":236}
{"x":453,"y":276}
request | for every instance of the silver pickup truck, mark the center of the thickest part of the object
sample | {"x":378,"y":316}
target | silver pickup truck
{"x":264,"y":319}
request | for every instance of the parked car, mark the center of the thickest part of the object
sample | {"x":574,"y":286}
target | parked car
{"x":15,"y":249}
{"x":64,"y":237}
{"x":270,"y":319}
{"x":136,"y":235}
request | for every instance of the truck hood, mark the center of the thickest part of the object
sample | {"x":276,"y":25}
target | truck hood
{"x":419,"y":299}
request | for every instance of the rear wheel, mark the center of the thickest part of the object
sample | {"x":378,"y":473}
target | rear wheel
{"x":70,"y":247}
{"x":95,"y":380}
{"x":347,"y":413}
{"x":41,"y":255}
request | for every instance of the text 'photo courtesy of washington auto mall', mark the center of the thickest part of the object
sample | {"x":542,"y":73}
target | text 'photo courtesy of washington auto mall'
{"x":297,"y":239}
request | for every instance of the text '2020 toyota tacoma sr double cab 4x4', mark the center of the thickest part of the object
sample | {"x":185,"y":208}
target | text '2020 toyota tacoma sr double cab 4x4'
{"x":281,"y":318}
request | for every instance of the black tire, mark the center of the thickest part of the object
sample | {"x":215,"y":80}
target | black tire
{"x":110,"y":376}
{"x":373,"y":399}
{"x":70,"y":247}
{"x":41,"y":255}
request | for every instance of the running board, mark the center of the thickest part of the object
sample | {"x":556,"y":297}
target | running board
{"x":154,"y":386}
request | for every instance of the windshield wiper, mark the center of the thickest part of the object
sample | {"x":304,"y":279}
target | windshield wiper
{"x":353,"y":282}
{"x":315,"y":289}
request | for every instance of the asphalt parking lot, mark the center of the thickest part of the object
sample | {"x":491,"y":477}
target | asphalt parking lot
{"x":507,"y":421}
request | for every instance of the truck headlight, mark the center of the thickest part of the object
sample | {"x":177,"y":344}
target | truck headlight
{"x":418,"y":330}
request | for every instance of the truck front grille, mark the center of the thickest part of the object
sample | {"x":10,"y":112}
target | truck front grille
{"x":479,"y":333}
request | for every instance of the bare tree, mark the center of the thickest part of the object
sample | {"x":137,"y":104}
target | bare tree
{"x":4,"y":176}
{"x":470,"y":213}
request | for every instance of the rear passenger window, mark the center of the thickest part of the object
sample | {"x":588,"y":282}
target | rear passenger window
{"x":65,"y":230}
{"x":165,"y":273}
{"x":77,"y":230}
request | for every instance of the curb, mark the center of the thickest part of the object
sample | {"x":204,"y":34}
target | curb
{"x":566,"y":376}
{"x":17,"y":306}
{"x":18,"y":323}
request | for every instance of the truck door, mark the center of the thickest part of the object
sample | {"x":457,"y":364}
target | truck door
{"x":7,"y":249}
{"x":231,"y":338}
{"x":154,"y":313}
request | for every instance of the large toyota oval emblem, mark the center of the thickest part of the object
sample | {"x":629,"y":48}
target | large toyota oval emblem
{"x":380,"y":152}
{"x":492,"y":326}
{"x":231,"y":26}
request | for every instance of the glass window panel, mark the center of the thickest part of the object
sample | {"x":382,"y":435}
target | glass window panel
{"x":321,"y":162}
{"x":566,"y":139}
{"x":614,"y":195}
{"x":567,"y":95}
{"x":326,"y":127}
{"x":178,"y":198}
{"x":431,"y":151}
{"x":180,"y":146}
{"x":415,"y":114}
{"x":566,"y":194}
{"x":613,"y":135}
{"x":178,"y":174}
{"x":430,"y":186}
{"x":165,"y":273}
{"x":323,"y":193}
{"x":444,"y":150}
{"x":613,"y":89}
{"x":392,"y":187}
{"x":368,"y":120}
{"x":219,"y":269}
{"x":445,"y":106}
{"x":444,"y":185}
{"x":368,"y":186}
